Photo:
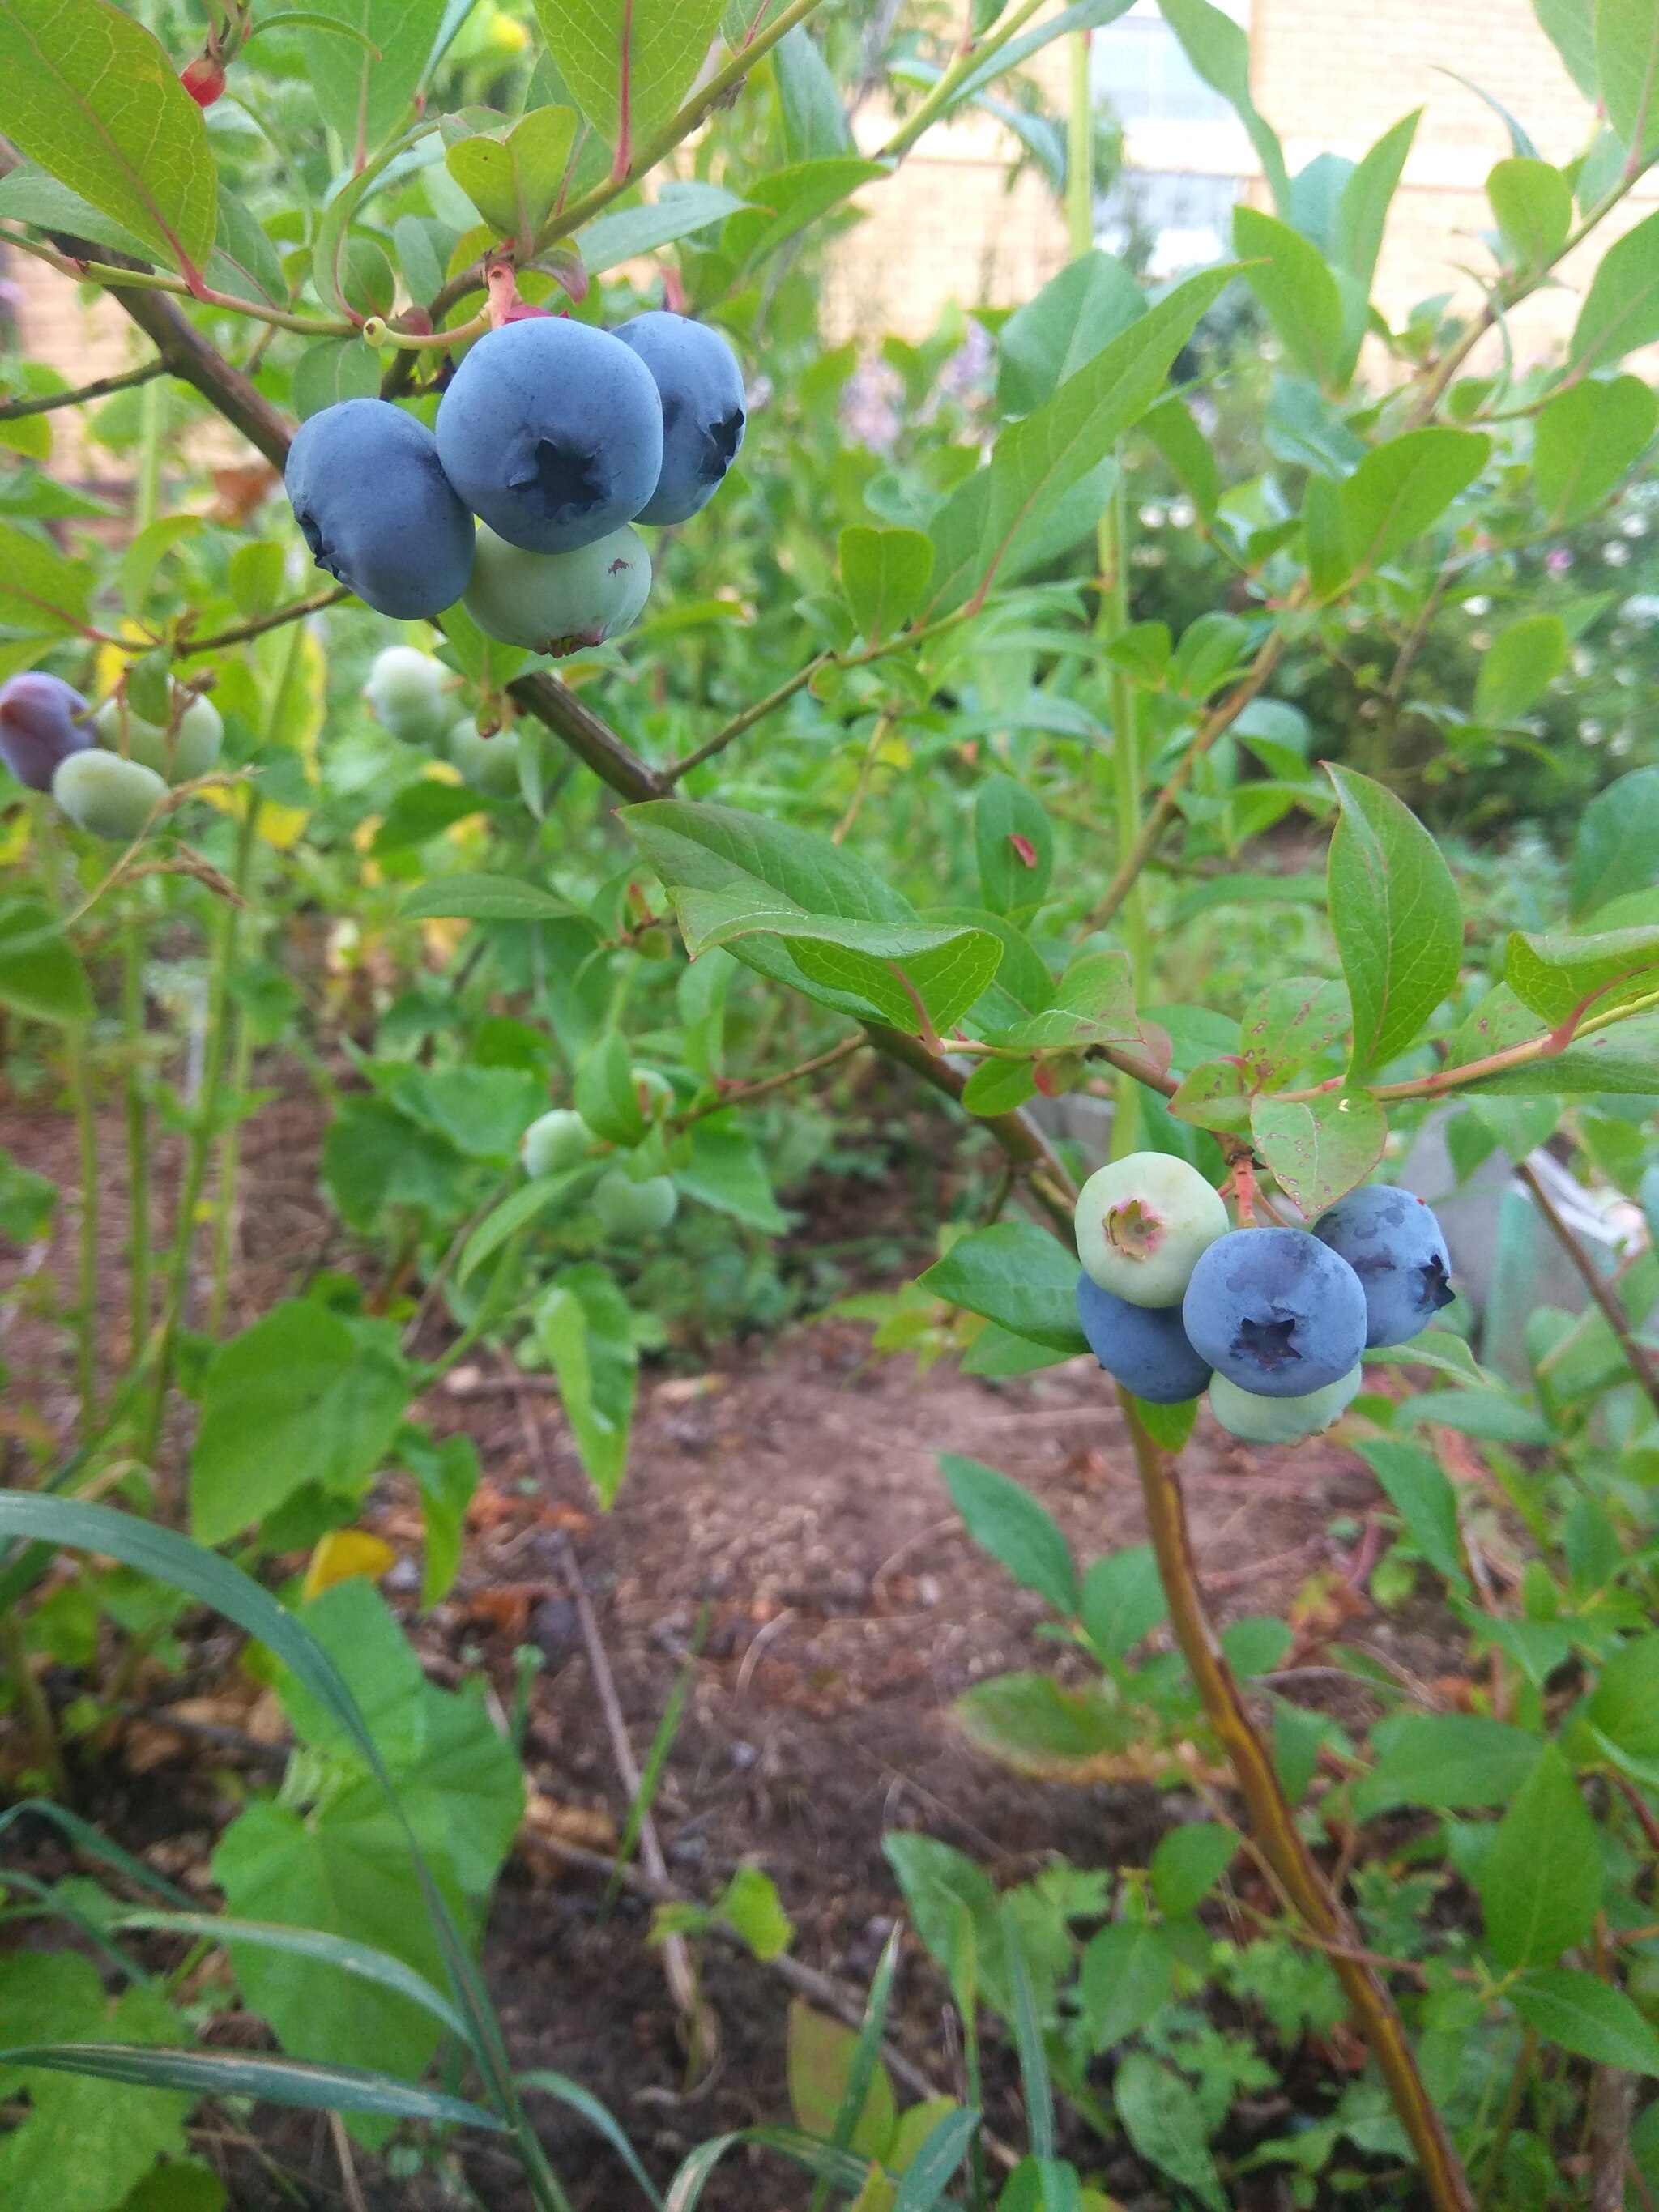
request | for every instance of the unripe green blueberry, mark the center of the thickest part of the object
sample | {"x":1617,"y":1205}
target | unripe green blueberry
{"x":1280,"y":1420}
{"x":555,"y":1141}
{"x":554,"y":603}
{"x":490,"y":764}
{"x":626,"y":1208}
{"x":103,"y":794}
{"x":406,"y":690}
{"x":1142,"y":1223}
{"x":191,"y":751}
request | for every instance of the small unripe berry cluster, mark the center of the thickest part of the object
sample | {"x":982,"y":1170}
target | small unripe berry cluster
{"x":1273,"y":1320}
{"x":556,"y":437}
{"x":629,"y":1204}
{"x":107,"y":773}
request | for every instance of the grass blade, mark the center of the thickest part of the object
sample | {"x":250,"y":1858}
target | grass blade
{"x":861,"y":2069}
{"x":274,"y":2081}
{"x":655,"y":1759}
{"x":598,"y":2117}
{"x":1028,"y":2036}
{"x":932,"y":2167}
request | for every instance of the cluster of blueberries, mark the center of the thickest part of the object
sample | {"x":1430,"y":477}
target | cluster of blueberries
{"x":630,"y":1200}
{"x":1274,"y":1320}
{"x":556,"y":437}
{"x":107,"y":771}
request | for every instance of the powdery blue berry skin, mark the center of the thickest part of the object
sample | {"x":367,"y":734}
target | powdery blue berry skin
{"x":704,"y":408}
{"x":377,"y":510}
{"x":1275,"y":1311}
{"x":42,"y":722}
{"x":1146,"y":1348}
{"x":1256,"y":1420}
{"x":551,"y":432}
{"x":1395,"y":1246}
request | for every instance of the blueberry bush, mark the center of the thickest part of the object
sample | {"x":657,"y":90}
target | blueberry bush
{"x":1064,"y":706}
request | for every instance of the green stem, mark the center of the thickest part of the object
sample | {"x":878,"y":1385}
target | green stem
{"x":138,"y":1244}
{"x":200,"y":1144}
{"x":146,"y":490}
{"x":1523,"y":2067}
{"x":32,"y":1704}
{"x":86,"y":1297}
{"x":242,"y":928}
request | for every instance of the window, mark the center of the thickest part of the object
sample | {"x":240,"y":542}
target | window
{"x":1167,"y":221}
{"x":1140,"y":68}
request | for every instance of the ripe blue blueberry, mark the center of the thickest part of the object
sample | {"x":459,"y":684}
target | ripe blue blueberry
{"x":697,"y":375}
{"x":551,"y":432}
{"x":377,"y":510}
{"x":1143,"y":1347}
{"x":42,"y":722}
{"x":555,"y":602}
{"x":1393,"y":1244}
{"x":1256,"y":1421}
{"x":105,"y":795}
{"x":1141,"y":1225}
{"x":1276,"y":1311}
{"x":178,"y":754}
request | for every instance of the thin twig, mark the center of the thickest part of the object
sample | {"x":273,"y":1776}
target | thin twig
{"x":1641,"y":1366}
{"x":741,"y":1094}
{"x":349,"y":2182}
{"x":238,"y":633}
{"x":48,"y":402}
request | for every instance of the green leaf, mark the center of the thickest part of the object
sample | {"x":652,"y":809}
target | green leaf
{"x":40,"y":591}
{"x":1017,"y":1274}
{"x":1625,"y":1703}
{"x":1623,"y":1058}
{"x":784,"y":202}
{"x":271,"y":2080}
{"x":27,"y":1201}
{"x":1519,"y":666}
{"x":1093,"y":1004}
{"x":630,"y":65}
{"x":1627,"y":70}
{"x":936,"y":2158}
{"x":604,"y":1093}
{"x":1362,"y":209}
{"x":1188,"y":1862}
{"x":1533,"y":203}
{"x":1160,"y":2114}
{"x":680,"y":210}
{"x":1418,"y":1489}
{"x":820,"y":2056}
{"x":1555,"y":976}
{"x":750,"y":1904}
{"x":1013,"y":843}
{"x":1569,"y":26}
{"x":584,"y":1326}
{"x":1585,"y":2014}
{"x":1077,"y":313}
{"x":363,"y":86}
{"x":483,"y":1111}
{"x":1121,"y":1600}
{"x":332,"y":370}
{"x":1169,"y":1427}
{"x":244,"y":262}
{"x":28,"y":195}
{"x":1615,"y":850}
{"x":1320,"y":1148}
{"x":808,"y":914}
{"x":1035,"y":1727}
{"x":1124,"y":1978}
{"x":1447,"y":1761}
{"x":1621,"y":310}
{"x":299,"y":1398}
{"x":447,"y":1473}
{"x":1007,"y":1521}
{"x":1036,"y":461}
{"x":885,"y":574}
{"x":727,"y":1172}
{"x":1400,"y":489}
{"x":1247,"y":891}
{"x":1291,"y":1023}
{"x":40,"y":973}
{"x":1219,"y":49}
{"x":1187,"y":451}
{"x":1539,"y":1879}
{"x":1395,"y":916}
{"x":514,"y":178}
{"x":1309,"y":431}
{"x":481,"y":898}
{"x":1298,"y":294}
{"x":93,"y":97}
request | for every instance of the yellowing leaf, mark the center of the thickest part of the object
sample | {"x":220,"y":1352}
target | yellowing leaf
{"x":343,"y":1554}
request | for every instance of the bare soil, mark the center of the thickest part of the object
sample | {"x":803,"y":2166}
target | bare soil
{"x":794,"y":1488}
